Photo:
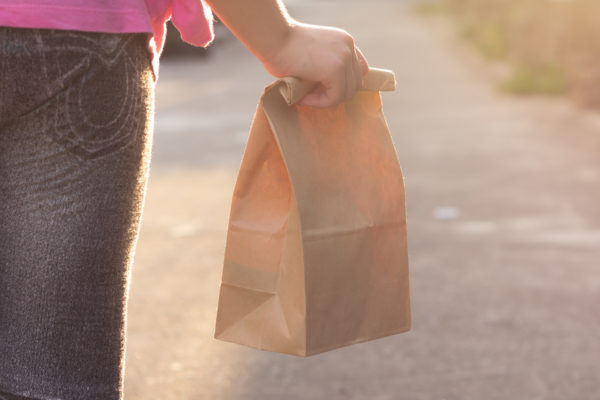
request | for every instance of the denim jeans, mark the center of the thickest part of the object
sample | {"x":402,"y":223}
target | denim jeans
{"x":76,"y":113}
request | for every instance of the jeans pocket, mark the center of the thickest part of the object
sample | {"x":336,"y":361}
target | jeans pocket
{"x":97,"y":86}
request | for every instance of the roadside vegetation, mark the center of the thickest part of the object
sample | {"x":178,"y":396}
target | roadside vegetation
{"x":552,"y":46}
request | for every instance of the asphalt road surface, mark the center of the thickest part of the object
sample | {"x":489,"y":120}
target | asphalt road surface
{"x":503,"y":223}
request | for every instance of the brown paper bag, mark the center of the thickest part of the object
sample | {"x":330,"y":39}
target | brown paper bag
{"x":316,"y":254}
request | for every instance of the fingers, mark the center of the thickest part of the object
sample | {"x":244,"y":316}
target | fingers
{"x":327,"y":94}
{"x":355,"y":72}
{"x":314,"y":99}
{"x":363,"y":61}
{"x":351,"y":84}
{"x":341,"y":85}
{"x":358,"y":75}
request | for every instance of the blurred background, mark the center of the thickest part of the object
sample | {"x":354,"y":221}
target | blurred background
{"x":553,"y":46}
{"x":495,"y":125}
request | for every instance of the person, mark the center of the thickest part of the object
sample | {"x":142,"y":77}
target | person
{"x":77,"y":82}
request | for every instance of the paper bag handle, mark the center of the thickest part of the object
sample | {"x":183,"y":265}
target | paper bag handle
{"x":376,"y":79}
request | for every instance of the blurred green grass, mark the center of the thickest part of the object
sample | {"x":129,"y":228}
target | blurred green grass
{"x":430,"y":7}
{"x":489,"y":39}
{"x":526,"y":80}
{"x":553,"y":46}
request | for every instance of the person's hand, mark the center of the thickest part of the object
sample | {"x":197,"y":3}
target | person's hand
{"x":286,"y":47}
{"x":320,"y":54}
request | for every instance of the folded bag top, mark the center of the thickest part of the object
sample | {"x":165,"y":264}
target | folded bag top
{"x":376,"y":79}
{"x":316,"y":251}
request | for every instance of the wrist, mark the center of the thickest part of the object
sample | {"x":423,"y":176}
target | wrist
{"x":291,"y":56}
{"x":277,"y":44}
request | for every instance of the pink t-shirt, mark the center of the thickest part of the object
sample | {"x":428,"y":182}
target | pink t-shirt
{"x":193,"y":18}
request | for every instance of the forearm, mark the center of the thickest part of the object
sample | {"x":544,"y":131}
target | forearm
{"x":286,"y":47}
{"x":263,"y":26}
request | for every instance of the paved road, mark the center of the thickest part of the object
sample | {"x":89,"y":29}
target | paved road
{"x":504,"y":233}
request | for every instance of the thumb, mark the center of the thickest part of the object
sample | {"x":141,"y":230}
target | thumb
{"x":325,"y":95}
{"x":316,"y":98}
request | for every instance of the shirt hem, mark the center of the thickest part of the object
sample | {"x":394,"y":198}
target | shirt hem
{"x":79,"y":19}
